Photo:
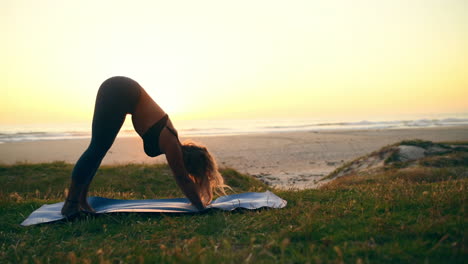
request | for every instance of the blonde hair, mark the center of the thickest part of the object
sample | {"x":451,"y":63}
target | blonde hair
{"x":203,"y":169}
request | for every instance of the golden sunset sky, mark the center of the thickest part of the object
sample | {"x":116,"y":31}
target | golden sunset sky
{"x":236,"y":59}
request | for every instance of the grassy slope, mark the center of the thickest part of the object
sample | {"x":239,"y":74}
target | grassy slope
{"x":410,"y":215}
{"x":456,"y":155}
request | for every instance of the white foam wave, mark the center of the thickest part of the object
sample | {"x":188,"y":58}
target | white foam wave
{"x":237,"y":127}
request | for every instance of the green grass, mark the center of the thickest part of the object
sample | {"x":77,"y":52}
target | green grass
{"x":413,"y":215}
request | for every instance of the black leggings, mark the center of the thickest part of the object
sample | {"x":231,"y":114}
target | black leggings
{"x":117,"y":97}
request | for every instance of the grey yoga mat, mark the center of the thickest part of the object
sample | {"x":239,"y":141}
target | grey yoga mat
{"x":252,"y":200}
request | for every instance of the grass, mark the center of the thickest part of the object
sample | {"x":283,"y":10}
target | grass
{"x":450,"y":154}
{"x":412,"y":215}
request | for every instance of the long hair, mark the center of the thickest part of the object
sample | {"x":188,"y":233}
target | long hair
{"x":203,"y":169}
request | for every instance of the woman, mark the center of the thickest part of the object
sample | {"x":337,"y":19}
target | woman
{"x":194,"y":169}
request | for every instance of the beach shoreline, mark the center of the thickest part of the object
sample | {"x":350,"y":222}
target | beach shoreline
{"x":286,"y":160}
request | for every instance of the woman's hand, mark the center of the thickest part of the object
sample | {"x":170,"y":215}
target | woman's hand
{"x":176,"y":162}
{"x":205,"y":194}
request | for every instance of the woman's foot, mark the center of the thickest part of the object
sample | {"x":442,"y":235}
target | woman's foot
{"x":70,"y":209}
{"x":85,"y":206}
{"x":76,"y":201}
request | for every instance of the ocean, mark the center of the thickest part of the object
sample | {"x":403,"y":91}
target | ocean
{"x":35,"y":132}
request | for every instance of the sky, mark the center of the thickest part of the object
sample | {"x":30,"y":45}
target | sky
{"x":236,"y":59}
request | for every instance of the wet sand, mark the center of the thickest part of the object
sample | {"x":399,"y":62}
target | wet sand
{"x":285,"y":160}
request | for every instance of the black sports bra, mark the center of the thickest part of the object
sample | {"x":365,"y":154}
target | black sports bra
{"x":151,"y":137}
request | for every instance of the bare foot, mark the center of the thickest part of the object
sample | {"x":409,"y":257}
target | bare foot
{"x":84,"y":200}
{"x":84,"y":205}
{"x":76,"y":201}
{"x":70,"y":208}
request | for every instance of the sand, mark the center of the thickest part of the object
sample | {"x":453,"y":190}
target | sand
{"x":284,"y":160}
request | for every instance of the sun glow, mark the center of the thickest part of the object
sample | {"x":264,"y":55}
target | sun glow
{"x":216,"y":59}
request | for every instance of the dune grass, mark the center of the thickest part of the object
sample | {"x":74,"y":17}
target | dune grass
{"x":413,"y":215}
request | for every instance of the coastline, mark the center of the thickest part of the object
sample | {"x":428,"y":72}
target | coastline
{"x":285,"y":160}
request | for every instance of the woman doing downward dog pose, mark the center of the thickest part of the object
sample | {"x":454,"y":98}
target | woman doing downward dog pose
{"x":194,"y":169}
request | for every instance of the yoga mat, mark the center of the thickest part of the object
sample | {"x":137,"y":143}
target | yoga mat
{"x":252,"y":200}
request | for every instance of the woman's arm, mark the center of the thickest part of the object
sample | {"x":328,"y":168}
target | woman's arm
{"x":175,"y":160}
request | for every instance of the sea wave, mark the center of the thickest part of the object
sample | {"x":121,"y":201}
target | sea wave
{"x":35,"y":136}
{"x":6,"y":137}
{"x":364,"y":124}
{"x":240,"y":127}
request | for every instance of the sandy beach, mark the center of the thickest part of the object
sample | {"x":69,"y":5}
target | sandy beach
{"x":285,"y":160}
